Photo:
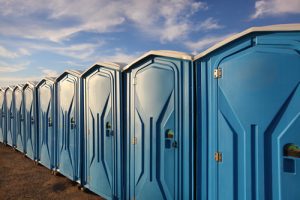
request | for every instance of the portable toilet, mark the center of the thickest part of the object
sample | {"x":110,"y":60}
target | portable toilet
{"x":19,"y":118}
{"x":46,"y":122}
{"x":159,"y":126}
{"x":2,"y":116}
{"x":102,"y":174}
{"x":30,"y":119}
{"x":248,"y":116}
{"x":10,"y":113}
{"x":69,"y":130}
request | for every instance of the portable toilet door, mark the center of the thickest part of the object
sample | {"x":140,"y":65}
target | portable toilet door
{"x":103,"y":130}
{"x":159,"y":126}
{"x":30,"y":119}
{"x":46,"y":122}
{"x":9,"y":115}
{"x":69,"y":133}
{"x":19,"y":118}
{"x":248,"y":116}
{"x":2,"y":116}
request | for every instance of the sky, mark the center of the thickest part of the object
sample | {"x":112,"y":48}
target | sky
{"x":41,"y":38}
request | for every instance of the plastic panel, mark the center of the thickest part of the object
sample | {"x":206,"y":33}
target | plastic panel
{"x":68,"y":137}
{"x":249,"y":115}
{"x":19,"y":119}
{"x":10,"y":116}
{"x":46,"y":145}
{"x":30,"y":121}
{"x":2,"y":117}
{"x":160,"y":122}
{"x":103,"y":127}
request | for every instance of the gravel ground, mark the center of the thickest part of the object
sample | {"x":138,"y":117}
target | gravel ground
{"x":20,"y":179}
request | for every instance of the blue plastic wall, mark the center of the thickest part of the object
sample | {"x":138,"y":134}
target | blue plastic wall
{"x":69,"y":134}
{"x":46,"y":123}
{"x":159,"y":129}
{"x":249,"y":115}
{"x":19,"y":119}
{"x":2,"y":116}
{"x":30,"y":120}
{"x":10,"y":116}
{"x":103,"y":132}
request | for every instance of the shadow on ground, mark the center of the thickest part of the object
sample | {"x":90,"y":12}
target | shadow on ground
{"x":21,"y":179}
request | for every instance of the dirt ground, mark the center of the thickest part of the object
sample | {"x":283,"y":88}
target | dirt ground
{"x":20,"y":179}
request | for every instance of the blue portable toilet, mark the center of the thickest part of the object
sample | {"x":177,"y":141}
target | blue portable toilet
{"x":30,"y":119}
{"x":159,"y":126}
{"x":10,"y":113}
{"x":3,"y":116}
{"x":69,"y":130}
{"x":46,"y":122}
{"x":102,"y":86}
{"x":19,"y":118}
{"x":248,"y":116}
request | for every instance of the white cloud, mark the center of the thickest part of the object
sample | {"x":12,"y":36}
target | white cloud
{"x":61,"y":19}
{"x":81,"y":51}
{"x":275,"y":7}
{"x":18,"y":78}
{"x":78,"y":51}
{"x":205,"y":42}
{"x":14,"y":80}
{"x":209,"y":24}
{"x":47,"y":72}
{"x":10,"y":68}
{"x":119,"y":56}
{"x":73,"y":64}
{"x":168,"y":20}
{"x":6,"y":53}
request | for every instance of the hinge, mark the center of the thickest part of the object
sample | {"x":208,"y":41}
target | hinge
{"x":218,"y":73}
{"x":134,"y":140}
{"x":134,"y":81}
{"x":218,"y":157}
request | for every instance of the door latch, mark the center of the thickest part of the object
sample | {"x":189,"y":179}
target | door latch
{"x":218,"y":157}
{"x":134,"y":140}
{"x":72,"y":121}
{"x":174,"y":144}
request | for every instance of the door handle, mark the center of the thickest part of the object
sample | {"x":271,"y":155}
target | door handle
{"x":73,"y":125}
{"x":21,"y":118}
{"x":108,"y":131}
{"x":50,"y":122}
{"x":292,"y":150}
{"x":169,"y":139}
{"x":32,"y":120}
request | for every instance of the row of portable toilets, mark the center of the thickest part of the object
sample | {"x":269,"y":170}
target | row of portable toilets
{"x":221,"y":125}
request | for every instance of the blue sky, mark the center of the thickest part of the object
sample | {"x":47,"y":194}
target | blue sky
{"x":43,"y":38}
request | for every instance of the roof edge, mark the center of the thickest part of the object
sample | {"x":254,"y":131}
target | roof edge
{"x":51,"y":79}
{"x":31,"y":83}
{"x":165,"y":53}
{"x":73,"y":72}
{"x":111,"y":65}
{"x":270,"y":28}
